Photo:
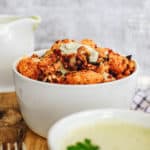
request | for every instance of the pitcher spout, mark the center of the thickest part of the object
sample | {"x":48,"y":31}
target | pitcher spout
{"x":36,"y":20}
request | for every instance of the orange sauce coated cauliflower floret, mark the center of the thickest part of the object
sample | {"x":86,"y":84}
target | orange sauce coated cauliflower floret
{"x":117,"y":63}
{"x":83,"y":77}
{"x":89,"y":42}
{"x":29,"y":67}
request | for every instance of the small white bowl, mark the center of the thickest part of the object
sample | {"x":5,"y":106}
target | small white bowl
{"x":42,"y":104}
{"x":61,"y":128}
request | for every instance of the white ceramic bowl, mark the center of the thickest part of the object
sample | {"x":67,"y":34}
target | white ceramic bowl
{"x":43,"y":103}
{"x":61,"y":128}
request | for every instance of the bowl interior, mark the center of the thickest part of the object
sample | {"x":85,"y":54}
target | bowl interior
{"x":62,"y":127}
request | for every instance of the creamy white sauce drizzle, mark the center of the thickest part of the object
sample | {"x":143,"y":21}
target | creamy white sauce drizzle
{"x":72,"y":47}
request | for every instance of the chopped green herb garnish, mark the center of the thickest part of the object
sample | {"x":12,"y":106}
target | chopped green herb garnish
{"x":85,"y":145}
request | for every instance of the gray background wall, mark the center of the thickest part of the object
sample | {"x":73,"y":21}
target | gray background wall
{"x":105,"y":21}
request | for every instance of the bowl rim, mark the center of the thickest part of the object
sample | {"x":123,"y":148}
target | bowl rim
{"x":55,"y":128}
{"x":41,"y":51}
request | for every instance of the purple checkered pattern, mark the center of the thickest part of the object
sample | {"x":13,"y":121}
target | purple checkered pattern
{"x":141,"y":101}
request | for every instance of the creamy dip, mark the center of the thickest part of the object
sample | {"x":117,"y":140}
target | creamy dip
{"x":111,"y":136}
{"x":72,"y":47}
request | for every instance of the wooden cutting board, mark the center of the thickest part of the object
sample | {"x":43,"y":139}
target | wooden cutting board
{"x":32,"y":141}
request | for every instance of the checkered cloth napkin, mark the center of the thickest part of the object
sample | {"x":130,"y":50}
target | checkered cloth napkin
{"x":141,"y":100}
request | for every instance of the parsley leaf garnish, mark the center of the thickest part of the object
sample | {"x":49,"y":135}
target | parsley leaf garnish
{"x":85,"y":145}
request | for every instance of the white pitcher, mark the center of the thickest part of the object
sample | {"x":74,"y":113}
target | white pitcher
{"x":16,"y":39}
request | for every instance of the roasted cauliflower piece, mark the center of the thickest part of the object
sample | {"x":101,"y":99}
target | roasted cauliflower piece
{"x":83,"y":77}
{"x":89,"y":42}
{"x":117,"y":63}
{"x":29,"y":67}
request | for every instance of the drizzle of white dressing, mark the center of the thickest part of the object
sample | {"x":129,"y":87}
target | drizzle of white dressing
{"x":105,"y":75}
{"x":63,"y":70}
{"x":72,"y":47}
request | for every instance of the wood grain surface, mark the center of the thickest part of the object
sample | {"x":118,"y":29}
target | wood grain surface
{"x":32,"y":141}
